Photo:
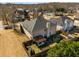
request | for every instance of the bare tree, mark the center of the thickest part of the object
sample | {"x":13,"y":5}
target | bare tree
{"x":7,"y":12}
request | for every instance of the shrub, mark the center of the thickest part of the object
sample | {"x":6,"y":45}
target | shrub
{"x":65,"y":49}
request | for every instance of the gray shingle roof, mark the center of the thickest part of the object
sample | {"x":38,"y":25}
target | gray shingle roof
{"x":40,"y":23}
{"x":29,"y":25}
{"x":35,"y":24}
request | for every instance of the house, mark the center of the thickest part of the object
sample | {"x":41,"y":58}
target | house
{"x":76,"y":20}
{"x":20,"y":14}
{"x":48,"y":15}
{"x":64,"y":23}
{"x":77,"y":8}
{"x":38,"y":27}
{"x":68,"y":23}
{"x":57,"y":21}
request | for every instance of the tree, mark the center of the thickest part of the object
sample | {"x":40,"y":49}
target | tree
{"x":65,"y":49}
{"x":4,"y":16}
{"x":6,"y":13}
{"x":60,"y":9}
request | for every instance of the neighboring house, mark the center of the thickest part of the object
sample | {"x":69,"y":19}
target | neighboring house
{"x":68,"y":23}
{"x":20,"y":15}
{"x":77,"y":9}
{"x":38,"y":26}
{"x":57,"y":21}
{"x":48,"y":16}
{"x":76,"y":21}
{"x":64,"y":23}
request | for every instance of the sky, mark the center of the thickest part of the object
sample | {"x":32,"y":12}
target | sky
{"x":35,"y":1}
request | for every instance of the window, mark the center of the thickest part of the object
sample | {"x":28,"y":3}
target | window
{"x":48,"y":24}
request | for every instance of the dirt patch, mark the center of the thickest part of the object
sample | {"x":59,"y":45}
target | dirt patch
{"x":11,"y":43}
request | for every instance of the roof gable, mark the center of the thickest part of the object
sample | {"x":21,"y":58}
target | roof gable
{"x":35,"y":24}
{"x":40,"y":24}
{"x":29,"y":25}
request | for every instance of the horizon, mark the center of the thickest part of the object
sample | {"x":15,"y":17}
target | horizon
{"x":24,"y":2}
{"x":34,"y":2}
{"x":37,"y":1}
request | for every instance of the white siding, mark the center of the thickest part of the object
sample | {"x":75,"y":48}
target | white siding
{"x":58,"y":27}
{"x":76,"y":23}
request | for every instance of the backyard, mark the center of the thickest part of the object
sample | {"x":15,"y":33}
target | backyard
{"x":39,"y":49}
{"x":11,"y":43}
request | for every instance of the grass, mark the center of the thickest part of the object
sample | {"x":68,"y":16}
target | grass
{"x":35,"y":48}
